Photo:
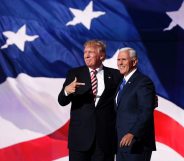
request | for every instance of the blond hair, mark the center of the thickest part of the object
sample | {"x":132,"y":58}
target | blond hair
{"x":96,"y":43}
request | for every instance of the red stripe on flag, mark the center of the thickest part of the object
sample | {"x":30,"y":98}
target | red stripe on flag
{"x":47,"y":148}
{"x":169,"y":132}
{"x":54,"y":146}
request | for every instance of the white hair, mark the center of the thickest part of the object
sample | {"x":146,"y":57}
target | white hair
{"x":131,"y":51}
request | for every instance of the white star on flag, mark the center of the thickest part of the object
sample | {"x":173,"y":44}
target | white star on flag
{"x":19,"y":38}
{"x":177,"y":18}
{"x":85,"y":17}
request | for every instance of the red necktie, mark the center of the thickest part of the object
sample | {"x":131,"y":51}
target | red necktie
{"x":94,"y":82}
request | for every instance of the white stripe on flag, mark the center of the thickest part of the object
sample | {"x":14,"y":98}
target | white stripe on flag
{"x":62,"y":159}
{"x":167,"y":107}
{"x":165,"y":153}
{"x":29,"y":108}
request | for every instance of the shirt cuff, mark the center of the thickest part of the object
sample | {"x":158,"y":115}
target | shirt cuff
{"x":66,"y":94}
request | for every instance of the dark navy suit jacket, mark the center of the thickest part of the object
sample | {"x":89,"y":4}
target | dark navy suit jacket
{"x":88,"y":122}
{"x":135,"y":114}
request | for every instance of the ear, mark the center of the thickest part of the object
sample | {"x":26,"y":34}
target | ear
{"x":135,"y":61}
{"x":102,"y":57}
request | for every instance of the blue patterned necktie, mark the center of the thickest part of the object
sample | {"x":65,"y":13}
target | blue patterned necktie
{"x":120,"y":90}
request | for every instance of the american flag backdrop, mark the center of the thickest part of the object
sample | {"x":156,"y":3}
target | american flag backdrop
{"x":40,"y":40}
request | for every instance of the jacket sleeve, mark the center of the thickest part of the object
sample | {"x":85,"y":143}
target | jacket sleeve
{"x":62,"y":98}
{"x":146,"y":104}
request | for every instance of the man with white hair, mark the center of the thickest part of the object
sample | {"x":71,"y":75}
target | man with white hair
{"x":135,"y":102}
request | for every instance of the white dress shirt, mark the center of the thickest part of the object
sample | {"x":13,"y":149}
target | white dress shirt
{"x":127,"y":77}
{"x":100,"y":82}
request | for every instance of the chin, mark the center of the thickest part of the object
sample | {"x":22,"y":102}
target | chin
{"x":122,"y":72}
{"x":89,"y":65}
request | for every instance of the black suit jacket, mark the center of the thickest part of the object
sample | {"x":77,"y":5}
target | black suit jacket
{"x":88,"y":121}
{"x":135,"y":113}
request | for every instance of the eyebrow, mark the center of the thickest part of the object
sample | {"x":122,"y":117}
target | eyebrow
{"x":121,"y":58}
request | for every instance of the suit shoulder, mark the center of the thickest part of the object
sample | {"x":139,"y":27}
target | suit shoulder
{"x":77,"y":69}
{"x":114,"y":73}
{"x":142,"y":78}
{"x":145,"y":77}
{"x":112,"y":70}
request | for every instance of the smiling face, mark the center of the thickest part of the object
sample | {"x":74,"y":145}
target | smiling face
{"x":126,"y":63}
{"x":93,"y":55}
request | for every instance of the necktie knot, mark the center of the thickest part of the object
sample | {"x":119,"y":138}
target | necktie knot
{"x":122,"y":84}
{"x":94,"y":71}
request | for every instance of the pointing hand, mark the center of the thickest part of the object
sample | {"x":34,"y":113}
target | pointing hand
{"x":71,"y":88}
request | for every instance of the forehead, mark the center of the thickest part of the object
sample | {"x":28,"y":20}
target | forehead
{"x":90,"y":47}
{"x":123,"y":54}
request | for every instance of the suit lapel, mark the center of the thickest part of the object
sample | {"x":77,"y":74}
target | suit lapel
{"x":128,"y":84}
{"x":84,"y":77}
{"x":87,"y":77}
{"x":107,"y":83}
{"x":107,"y":78}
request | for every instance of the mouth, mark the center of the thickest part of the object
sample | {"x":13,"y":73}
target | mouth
{"x":121,"y":66}
{"x":87,"y":60}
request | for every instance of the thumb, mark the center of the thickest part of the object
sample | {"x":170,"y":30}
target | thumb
{"x":75,"y":80}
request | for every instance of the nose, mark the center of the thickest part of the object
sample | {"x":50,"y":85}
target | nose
{"x":86,"y":55}
{"x":120,"y":62}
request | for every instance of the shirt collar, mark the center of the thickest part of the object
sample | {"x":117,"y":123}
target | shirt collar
{"x":127,"y":77}
{"x":97,"y":69}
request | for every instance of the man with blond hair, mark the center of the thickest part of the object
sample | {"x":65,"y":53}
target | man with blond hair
{"x":91,"y":91}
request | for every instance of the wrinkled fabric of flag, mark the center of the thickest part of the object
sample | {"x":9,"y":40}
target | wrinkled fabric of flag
{"x":41,"y":40}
